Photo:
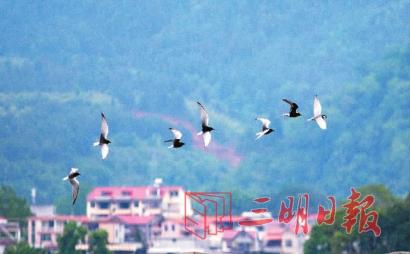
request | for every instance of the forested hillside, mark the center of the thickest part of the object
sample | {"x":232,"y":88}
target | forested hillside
{"x":146,"y":63}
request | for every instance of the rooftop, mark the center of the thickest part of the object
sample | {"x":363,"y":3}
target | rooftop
{"x":130,"y":192}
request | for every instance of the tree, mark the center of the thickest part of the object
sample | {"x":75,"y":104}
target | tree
{"x":384,"y":197}
{"x":71,"y":235}
{"x":98,"y":242}
{"x":12,"y":206}
{"x":395,"y":224}
{"x":23,"y":248}
{"x":394,"y":220}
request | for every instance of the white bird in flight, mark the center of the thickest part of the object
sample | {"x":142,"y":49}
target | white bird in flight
{"x":206,"y":129}
{"x":319,"y":118}
{"x":265,"y":127}
{"x":103,"y":142}
{"x":75,"y":185}
{"x":176,"y":142}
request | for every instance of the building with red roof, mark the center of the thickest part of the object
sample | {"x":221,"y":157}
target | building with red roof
{"x":129,"y":214}
{"x":167,"y":201}
{"x":43,"y":230}
{"x":239,"y":241}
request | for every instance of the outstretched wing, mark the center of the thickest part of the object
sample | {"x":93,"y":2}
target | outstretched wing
{"x":265,"y":122}
{"x":207,"y":138}
{"x":177,"y":133}
{"x":261,"y":134}
{"x":104,"y":126}
{"x":321,"y":122}
{"x":204,"y":115}
{"x":317,"y":108}
{"x":104,"y":151}
{"x":293,"y":106}
{"x":75,"y":186}
{"x":73,"y":170}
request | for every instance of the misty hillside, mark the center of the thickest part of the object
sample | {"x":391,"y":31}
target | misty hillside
{"x":146,"y":63}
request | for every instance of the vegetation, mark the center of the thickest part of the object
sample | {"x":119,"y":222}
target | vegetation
{"x":23,"y":248}
{"x":98,"y":242}
{"x":394,"y":220}
{"x":145,"y":65}
{"x":71,"y":236}
{"x":12,"y":206}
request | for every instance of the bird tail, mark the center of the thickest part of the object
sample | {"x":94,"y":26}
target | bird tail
{"x":169,"y":140}
{"x":171,"y":146}
{"x":259,"y":135}
{"x":65,"y":178}
{"x":199,"y":133}
{"x":96,"y":143}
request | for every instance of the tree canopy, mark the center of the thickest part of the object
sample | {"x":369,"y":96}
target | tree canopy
{"x":146,"y":64}
{"x":97,"y":241}
{"x":23,"y":248}
{"x":394,"y":221}
{"x":11,"y":205}
{"x":70,"y":238}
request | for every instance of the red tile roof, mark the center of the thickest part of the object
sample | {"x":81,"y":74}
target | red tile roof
{"x":231,"y":234}
{"x":133,"y":192}
{"x":80,"y":218}
{"x":274,"y":232}
{"x":180,"y":221}
{"x":125,"y":219}
{"x":136,"y":220}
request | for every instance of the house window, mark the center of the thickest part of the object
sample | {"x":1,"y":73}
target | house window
{"x":166,"y":228}
{"x":45,"y":237}
{"x":92,"y":204}
{"x":51,"y":224}
{"x":106,"y":193}
{"x":274,"y":243}
{"x":244,"y":246}
{"x":124,"y":205}
{"x":92,"y":226}
{"x":173,"y":227}
{"x":153,"y":203}
{"x":104,"y":205}
{"x":136,"y":203}
{"x":126,"y":193}
{"x":288,"y":243}
{"x":174,"y":194}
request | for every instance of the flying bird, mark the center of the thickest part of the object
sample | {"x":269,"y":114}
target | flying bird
{"x":75,"y":185}
{"x":206,"y":129}
{"x":319,"y":118}
{"x":176,"y":142}
{"x":103,"y":142}
{"x":293,"y":109}
{"x":265,"y":127}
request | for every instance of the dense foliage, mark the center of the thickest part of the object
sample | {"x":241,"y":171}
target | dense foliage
{"x":146,"y":63}
{"x":12,"y":206}
{"x":98,"y":240}
{"x":23,"y":248}
{"x":394,"y":220}
{"x":70,"y":238}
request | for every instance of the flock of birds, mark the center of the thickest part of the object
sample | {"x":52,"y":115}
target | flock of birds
{"x":103,"y":141}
